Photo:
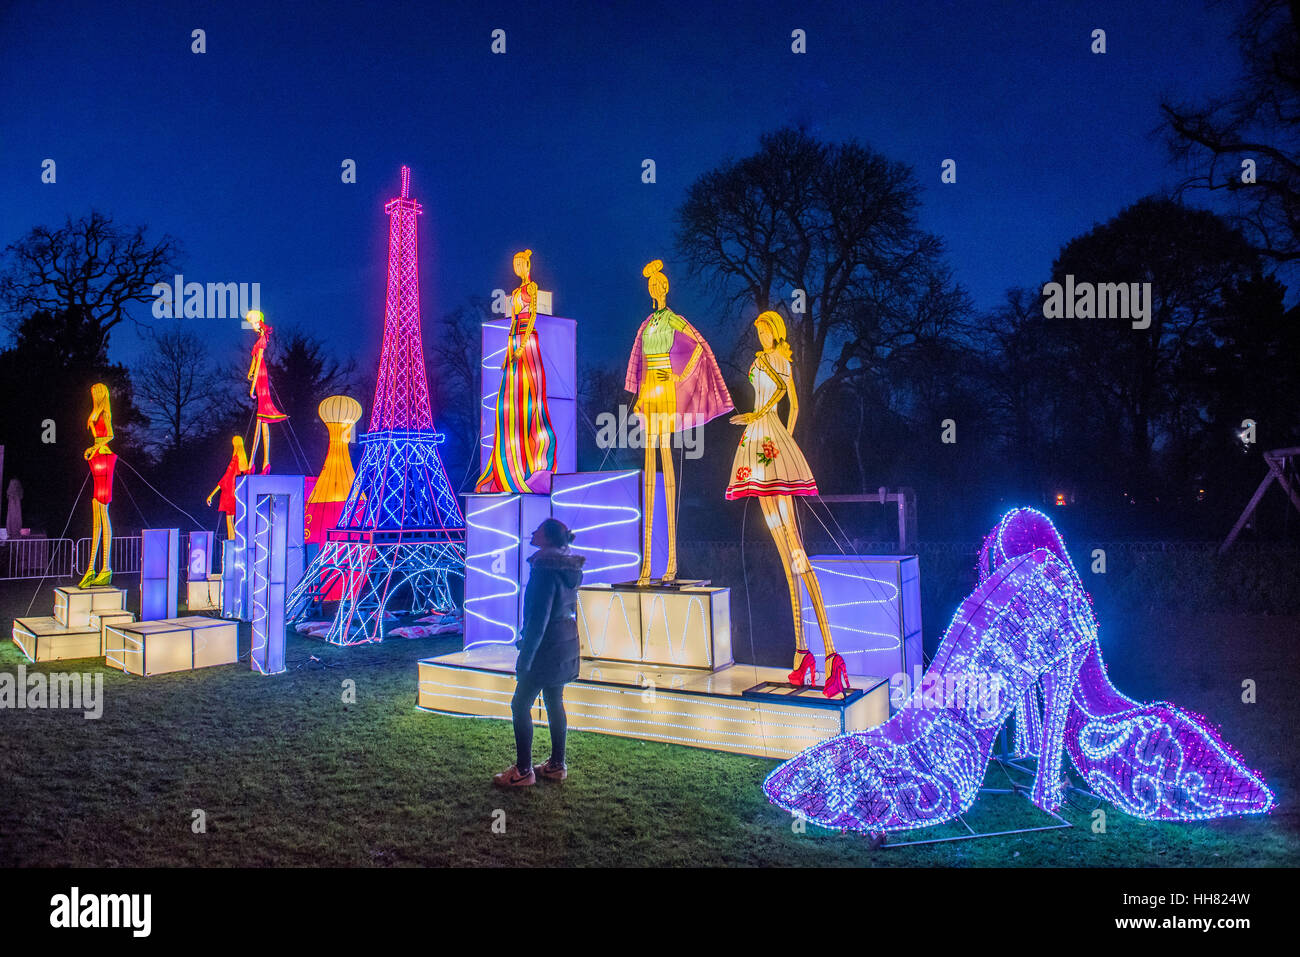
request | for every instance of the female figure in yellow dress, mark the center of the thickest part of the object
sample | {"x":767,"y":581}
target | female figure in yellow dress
{"x":770,"y":467}
{"x":672,"y":395}
{"x":102,"y":460}
{"x":523,"y":451}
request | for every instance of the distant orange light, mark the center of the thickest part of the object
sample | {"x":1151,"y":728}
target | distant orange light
{"x":1060,"y":498}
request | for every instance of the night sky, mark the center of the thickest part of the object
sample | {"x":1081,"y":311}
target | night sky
{"x":237,"y":151}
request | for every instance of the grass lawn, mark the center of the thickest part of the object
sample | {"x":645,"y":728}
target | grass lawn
{"x":287,"y":774}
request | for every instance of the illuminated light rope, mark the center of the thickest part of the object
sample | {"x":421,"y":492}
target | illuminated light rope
{"x":1027,"y":619}
{"x":604,"y":631}
{"x":661,"y":602}
{"x":657,"y":602}
{"x":758,"y":720}
{"x":561,"y":499}
{"x":471,"y":568}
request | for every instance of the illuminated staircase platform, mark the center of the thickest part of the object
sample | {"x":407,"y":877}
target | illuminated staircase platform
{"x":692,"y":706}
{"x":74,"y":629}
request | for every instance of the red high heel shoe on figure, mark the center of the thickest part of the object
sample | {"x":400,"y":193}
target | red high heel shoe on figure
{"x":804,"y":665}
{"x":837,"y":677}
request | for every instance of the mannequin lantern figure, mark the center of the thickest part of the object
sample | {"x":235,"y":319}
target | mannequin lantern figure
{"x":671,"y":396}
{"x":769,"y":466}
{"x":101,"y":460}
{"x":237,"y":466}
{"x":267,"y":412}
{"x":523,"y":451}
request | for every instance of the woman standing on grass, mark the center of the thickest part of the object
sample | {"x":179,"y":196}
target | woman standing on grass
{"x":548,"y":652}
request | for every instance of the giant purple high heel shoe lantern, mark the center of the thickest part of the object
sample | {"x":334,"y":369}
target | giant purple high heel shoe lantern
{"x":1025,"y":640}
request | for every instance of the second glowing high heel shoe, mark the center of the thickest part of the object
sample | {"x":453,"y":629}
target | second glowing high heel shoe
{"x":1155,"y":761}
{"x":805,"y":668}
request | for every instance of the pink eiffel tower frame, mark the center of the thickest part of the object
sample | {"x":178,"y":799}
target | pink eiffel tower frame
{"x":400,"y":534}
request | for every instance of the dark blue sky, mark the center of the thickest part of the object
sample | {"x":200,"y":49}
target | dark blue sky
{"x":237,"y":151}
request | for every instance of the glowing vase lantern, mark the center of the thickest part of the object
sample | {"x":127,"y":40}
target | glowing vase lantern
{"x":340,"y":414}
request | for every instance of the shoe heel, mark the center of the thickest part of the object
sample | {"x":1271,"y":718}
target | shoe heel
{"x":1058,"y":688}
{"x":1029,"y":723}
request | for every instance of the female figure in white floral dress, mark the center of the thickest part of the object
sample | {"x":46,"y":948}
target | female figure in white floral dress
{"x":770,"y":467}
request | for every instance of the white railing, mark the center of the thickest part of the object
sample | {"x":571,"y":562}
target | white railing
{"x":35,"y":558}
{"x":126,"y":556}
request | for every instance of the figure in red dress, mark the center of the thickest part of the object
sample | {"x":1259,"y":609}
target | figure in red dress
{"x":101,"y":460}
{"x":237,"y":466}
{"x":267,"y":412}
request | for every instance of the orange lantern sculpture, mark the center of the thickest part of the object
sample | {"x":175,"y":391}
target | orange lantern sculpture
{"x":340,"y":414}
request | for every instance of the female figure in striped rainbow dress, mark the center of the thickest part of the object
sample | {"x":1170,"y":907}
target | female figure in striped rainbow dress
{"x":523,"y":450}
{"x":770,"y":467}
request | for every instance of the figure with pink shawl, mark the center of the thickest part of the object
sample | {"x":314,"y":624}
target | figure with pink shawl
{"x":678,"y":386}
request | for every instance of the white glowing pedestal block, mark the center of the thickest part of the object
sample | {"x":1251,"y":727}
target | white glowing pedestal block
{"x":73,"y":631}
{"x":704,"y":709}
{"x":203,"y":595}
{"x":102,"y":619}
{"x":176,"y":644}
{"x":678,"y":628}
{"x":874,"y":606}
{"x":73,"y":606}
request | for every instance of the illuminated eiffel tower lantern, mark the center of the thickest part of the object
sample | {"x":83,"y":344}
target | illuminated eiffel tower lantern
{"x":401,"y":534}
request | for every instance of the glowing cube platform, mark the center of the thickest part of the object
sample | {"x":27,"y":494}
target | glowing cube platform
{"x":675,"y":628}
{"x":704,"y":709}
{"x":173,"y":644}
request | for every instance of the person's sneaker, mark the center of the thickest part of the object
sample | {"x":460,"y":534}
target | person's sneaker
{"x":511,"y":778}
{"x":551,"y":772}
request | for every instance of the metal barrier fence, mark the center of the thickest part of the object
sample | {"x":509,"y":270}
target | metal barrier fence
{"x":35,"y":558}
{"x":125,"y":555}
{"x":63,"y":558}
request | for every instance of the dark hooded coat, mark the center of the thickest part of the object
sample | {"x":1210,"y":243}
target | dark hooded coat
{"x":548,"y":641}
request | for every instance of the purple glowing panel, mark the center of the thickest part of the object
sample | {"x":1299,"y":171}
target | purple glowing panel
{"x":269,"y":553}
{"x":874,"y":606}
{"x":604,"y":511}
{"x":248,"y":488}
{"x":1025,"y":639}
{"x":559,"y":358}
{"x":198,"y":566}
{"x":159,"y":561}
{"x":497,"y":530}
